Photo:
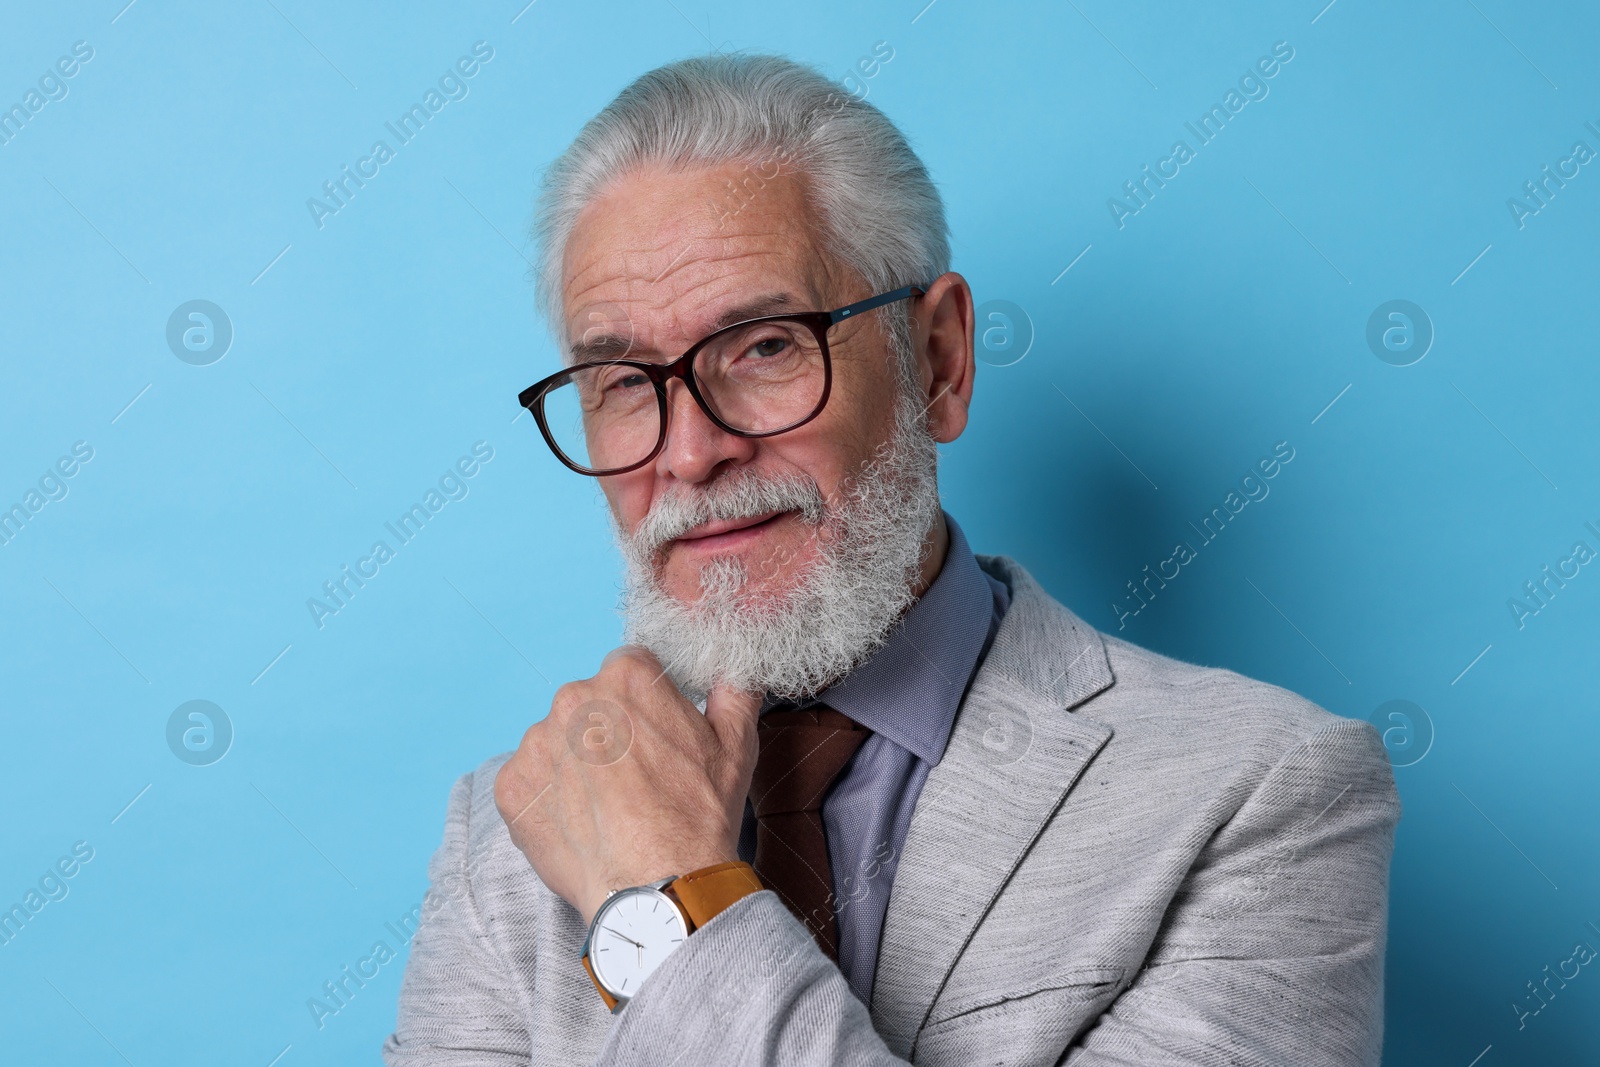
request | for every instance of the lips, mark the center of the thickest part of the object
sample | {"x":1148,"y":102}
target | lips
{"x":724,"y":527}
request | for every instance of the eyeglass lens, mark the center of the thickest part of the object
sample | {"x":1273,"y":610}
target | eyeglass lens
{"x":758,"y":377}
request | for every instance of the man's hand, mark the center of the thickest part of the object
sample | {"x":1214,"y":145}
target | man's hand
{"x":625,"y":782}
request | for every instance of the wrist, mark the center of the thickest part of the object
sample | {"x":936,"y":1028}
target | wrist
{"x":649,"y":873}
{"x":706,"y":892}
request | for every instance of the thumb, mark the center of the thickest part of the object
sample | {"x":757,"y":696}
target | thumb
{"x":732,"y":714}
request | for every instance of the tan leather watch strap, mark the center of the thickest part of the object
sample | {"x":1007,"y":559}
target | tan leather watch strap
{"x":611,"y":1001}
{"x":706,"y":893}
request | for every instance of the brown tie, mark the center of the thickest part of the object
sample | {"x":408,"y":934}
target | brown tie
{"x":802,"y":752}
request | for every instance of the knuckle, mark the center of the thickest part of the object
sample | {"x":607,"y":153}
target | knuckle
{"x":505,"y":785}
{"x":632,"y":662}
{"x":567,"y":698}
{"x":532,"y":739}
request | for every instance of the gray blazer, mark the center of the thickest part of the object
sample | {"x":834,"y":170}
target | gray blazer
{"x":1121,"y":859}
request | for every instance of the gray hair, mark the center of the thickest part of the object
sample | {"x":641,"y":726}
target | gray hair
{"x":879,"y":211}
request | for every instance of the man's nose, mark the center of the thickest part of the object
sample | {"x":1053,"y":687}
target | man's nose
{"x":696,"y":448}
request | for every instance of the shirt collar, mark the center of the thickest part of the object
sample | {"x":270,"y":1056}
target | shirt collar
{"x":911,"y":688}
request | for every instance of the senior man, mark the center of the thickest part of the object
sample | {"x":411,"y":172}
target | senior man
{"x":851,"y":793}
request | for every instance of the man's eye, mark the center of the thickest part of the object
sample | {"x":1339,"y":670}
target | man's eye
{"x":772,"y":346}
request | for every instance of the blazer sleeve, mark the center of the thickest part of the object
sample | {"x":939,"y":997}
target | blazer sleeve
{"x":1272,"y":950}
{"x":458,"y":1004}
{"x":749,"y":987}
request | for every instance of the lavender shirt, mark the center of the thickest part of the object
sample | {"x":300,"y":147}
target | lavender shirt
{"x":907,"y":695}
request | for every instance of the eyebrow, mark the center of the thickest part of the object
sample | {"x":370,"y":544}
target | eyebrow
{"x":614,"y":346}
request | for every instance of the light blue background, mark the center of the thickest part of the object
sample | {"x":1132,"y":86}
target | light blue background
{"x":1223,"y":318}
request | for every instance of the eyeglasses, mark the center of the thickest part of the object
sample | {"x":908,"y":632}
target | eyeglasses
{"x":756,"y":378}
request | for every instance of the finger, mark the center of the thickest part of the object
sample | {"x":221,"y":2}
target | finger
{"x":515,"y":792}
{"x":636,"y":653}
{"x":635,"y":659}
{"x":732,"y":714}
{"x":513,"y":817}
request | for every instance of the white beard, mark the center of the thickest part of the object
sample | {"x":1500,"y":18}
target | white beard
{"x":870,"y":550}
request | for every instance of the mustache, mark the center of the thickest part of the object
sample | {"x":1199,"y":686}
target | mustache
{"x":738,"y":495}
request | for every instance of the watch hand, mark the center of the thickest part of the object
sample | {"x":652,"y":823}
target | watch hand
{"x":625,"y":937}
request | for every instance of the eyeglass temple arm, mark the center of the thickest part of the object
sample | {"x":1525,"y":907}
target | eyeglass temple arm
{"x":875,"y":302}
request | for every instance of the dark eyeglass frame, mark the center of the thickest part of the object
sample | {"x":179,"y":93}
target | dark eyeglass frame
{"x":819,"y":322}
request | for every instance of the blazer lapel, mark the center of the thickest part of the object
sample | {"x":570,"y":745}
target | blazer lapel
{"x":1014,"y":753}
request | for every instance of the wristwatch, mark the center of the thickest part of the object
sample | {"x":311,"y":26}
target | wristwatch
{"x":636,"y":929}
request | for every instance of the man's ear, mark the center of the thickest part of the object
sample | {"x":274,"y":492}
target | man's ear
{"x":945,"y":363}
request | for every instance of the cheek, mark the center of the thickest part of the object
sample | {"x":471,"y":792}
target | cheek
{"x":865,"y":386}
{"x":628,"y":497}
{"x":824,"y":450}
{"x":829,"y":445}
{"x":858,"y":420}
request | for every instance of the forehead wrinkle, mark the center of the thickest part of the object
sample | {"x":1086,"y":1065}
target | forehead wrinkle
{"x":673,"y":271}
{"x":765,"y":226}
{"x":638,"y":264}
{"x":697,"y":291}
{"x":605,"y":264}
{"x":694,"y":306}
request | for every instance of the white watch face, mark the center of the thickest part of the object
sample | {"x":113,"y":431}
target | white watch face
{"x":634,"y":932}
